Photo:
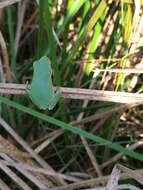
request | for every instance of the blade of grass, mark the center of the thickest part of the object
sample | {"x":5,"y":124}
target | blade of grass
{"x":52,"y":46}
{"x":70,"y":128}
{"x":74,"y":8}
{"x":11,"y":36}
{"x":66,"y":33}
{"x":128,"y":24}
{"x":40,"y":29}
{"x":101,"y":7}
{"x":94,"y":41}
{"x":86,"y":10}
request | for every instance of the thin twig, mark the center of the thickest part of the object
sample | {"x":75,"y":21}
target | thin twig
{"x":94,"y":182}
{"x":137,"y":71}
{"x":49,"y":139}
{"x":16,"y":153}
{"x":113,"y":179}
{"x":102,"y":114}
{"x":40,"y":170}
{"x":15,"y":178}
{"x":132,"y":173}
{"x":93,"y":61}
{"x":29,"y":22}
{"x":38,"y":179}
{"x":27,"y":148}
{"x":91,"y":156}
{"x":79,"y":93}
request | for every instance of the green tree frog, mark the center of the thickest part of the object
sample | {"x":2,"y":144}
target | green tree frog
{"x":42,"y":91}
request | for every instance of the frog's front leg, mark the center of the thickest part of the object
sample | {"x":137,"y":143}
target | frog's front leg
{"x":27,"y":89}
{"x":54,"y":99}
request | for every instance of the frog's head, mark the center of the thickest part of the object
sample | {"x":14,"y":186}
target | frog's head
{"x":43,"y":64}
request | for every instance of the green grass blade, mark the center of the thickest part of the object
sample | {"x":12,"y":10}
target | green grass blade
{"x":75,"y":7}
{"x":52,"y":46}
{"x":96,"y":15}
{"x":40,"y":29}
{"x":93,"y":44}
{"x":11,"y":36}
{"x":70,"y":128}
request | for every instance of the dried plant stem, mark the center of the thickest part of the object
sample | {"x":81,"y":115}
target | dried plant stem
{"x":38,"y":179}
{"x":39,"y":170}
{"x":21,"y":12}
{"x":14,"y":176}
{"x":137,"y":71}
{"x":95,"y":61}
{"x":79,"y":93}
{"x":84,"y":141}
{"x":34,"y":15}
{"x":133,"y":174}
{"x":27,"y":148}
{"x":95,"y":182}
{"x":5,"y":58}
{"x":48,"y":140}
{"x":113,"y":179}
{"x":91,"y":156}
{"x":16,"y":153}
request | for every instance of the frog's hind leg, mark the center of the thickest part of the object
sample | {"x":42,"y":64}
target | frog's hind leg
{"x":55,"y":99}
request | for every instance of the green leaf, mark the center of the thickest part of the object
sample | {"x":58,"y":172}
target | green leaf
{"x":70,"y":128}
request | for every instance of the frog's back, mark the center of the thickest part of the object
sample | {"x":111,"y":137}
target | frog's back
{"x":42,"y":83}
{"x":41,"y":94}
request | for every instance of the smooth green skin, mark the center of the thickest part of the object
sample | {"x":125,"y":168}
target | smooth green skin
{"x":42,"y":91}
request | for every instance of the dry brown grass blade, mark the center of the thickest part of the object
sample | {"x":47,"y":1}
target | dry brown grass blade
{"x":115,"y":175}
{"x":94,"y":182}
{"x":39,"y":170}
{"x":5,"y":57}
{"x":102,"y":114}
{"x":96,"y":61}
{"x":52,"y":134}
{"x":49,"y":139}
{"x":91,"y":156}
{"x":29,"y":22}
{"x":84,"y":141}
{"x":113,"y":179}
{"x":133,"y":174}
{"x":15,"y":153}
{"x":27,"y":148}
{"x":38,"y":179}
{"x":12,"y":175}
{"x":137,"y":71}
{"x":79,"y":93}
